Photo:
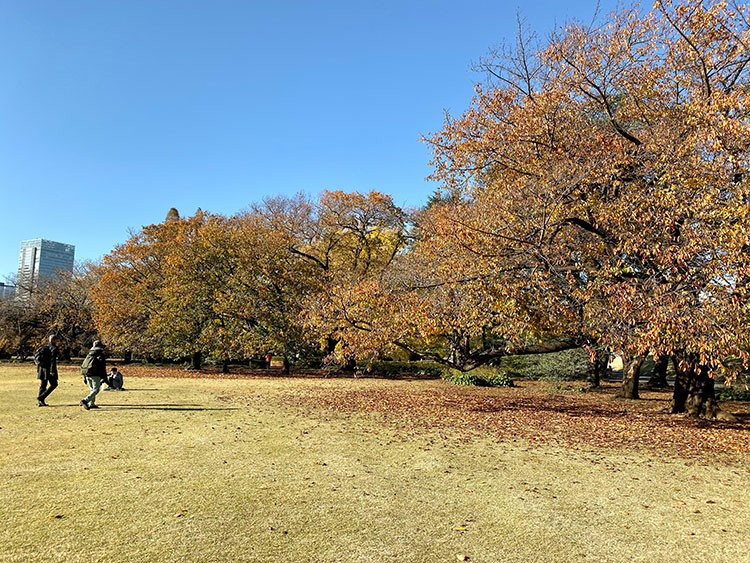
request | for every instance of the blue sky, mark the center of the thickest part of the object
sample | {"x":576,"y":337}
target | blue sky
{"x":111,"y":112}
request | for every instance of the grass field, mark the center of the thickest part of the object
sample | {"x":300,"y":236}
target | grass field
{"x":272,"y":469}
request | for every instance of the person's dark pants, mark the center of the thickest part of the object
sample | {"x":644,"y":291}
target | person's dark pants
{"x":47,"y":384}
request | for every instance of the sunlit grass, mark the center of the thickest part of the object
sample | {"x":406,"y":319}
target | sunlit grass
{"x":222,"y":470}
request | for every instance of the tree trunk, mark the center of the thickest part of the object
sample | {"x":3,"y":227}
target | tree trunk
{"x":196,"y":360}
{"x":659,"y":377}
{"x":287,"y":366}
{"x":694,"y":392}
{"x":225,"y":366}
{"x":599,"y":367}
{"x":128,"y":357}
{"x":631,"y":371}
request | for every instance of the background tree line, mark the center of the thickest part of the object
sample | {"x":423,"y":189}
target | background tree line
{"x":62,"y":305}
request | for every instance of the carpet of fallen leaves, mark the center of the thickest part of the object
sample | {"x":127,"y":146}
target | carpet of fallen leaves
{"x":533,"y":412}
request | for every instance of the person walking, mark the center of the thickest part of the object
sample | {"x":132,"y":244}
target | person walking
{"x":46,"y":361}
{"x":95,"y":369}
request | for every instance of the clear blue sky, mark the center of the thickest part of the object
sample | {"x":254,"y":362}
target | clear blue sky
{"x":113,"y":111}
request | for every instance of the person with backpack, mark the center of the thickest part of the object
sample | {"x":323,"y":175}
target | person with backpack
{"x":94,"y":370}
{"x":45,"y":359}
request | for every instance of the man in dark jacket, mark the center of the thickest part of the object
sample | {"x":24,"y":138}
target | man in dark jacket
{"x":97,"y":371}
{"x":46,"y":371}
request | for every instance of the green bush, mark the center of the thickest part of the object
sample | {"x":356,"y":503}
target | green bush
{"x":501,"y":380}
{"x":566,"y":365}
{"x":734,"y":394}
{"x":465,"y":378}
{"x":396,"y":368}
{"x":480,"y":377}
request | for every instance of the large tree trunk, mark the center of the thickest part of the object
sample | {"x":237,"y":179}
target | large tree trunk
{"x":694,"y":391}
{"x":631,"y":371}
{"x":196,"y":360}
{"x":287,"y":366}
{"x":128,"y":357}
{"x":225,"y":366}
{"x":659,"y":377}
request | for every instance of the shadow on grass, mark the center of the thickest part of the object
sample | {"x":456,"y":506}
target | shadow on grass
{"x":165,"y":407}
{"x":154,"y":407}
{"x":134,"y":389}
{"x":660,"y":417}
{"x":573,"y":410}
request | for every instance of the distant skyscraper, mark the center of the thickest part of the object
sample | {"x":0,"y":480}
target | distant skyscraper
{"x":6,"y":290}
{"x":41,"y":259}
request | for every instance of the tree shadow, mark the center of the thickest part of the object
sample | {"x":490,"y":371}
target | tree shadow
{"x":742,"y":417}
{"x":134,"y":389}
{"x":151,"y":405}
{"x":154,"y":407}
{"x":165,"y":407}
{"x":573,"y":410}
{"x":661,"y":417}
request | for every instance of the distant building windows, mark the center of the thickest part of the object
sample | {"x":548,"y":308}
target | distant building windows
{"x":40,"y":259}
{"x":7,"y":291}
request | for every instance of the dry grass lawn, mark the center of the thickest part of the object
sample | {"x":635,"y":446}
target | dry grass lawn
{"x":248,"y":470}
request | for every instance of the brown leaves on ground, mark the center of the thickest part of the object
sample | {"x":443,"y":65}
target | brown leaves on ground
{"x":533,"y":413}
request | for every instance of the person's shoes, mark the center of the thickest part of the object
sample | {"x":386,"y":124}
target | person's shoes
{"x":84,"y":404}
{"x":108,"y":389}
{"x":93,"y":407}
{"x":41,"y":404}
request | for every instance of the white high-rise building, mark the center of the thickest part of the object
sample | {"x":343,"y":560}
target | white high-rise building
{"x":40,"y":259}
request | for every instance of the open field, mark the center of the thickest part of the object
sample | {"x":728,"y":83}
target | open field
{"x":301,"y":469}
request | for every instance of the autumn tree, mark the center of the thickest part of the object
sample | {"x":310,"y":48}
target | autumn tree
{"x":145,"y":302}
{"x":600,"y":199}
{"x":347,"y":240}
{"x":65,"y":307}
{"x":61,"y":305}
{"x":206,"y":286}
{"x":459,"y":305}
{"x":21,"y":327}
{"x":265,"y":286}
